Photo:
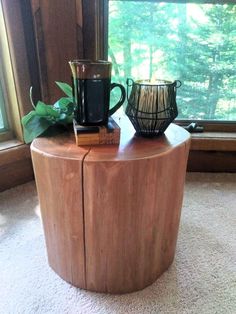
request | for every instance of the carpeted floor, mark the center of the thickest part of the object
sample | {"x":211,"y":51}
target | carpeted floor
{"x":202,"y":278}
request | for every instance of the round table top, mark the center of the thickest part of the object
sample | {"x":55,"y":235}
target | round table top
{"x":131,"y":146}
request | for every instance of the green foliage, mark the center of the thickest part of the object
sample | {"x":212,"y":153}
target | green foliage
{"x":65,"y":88}
{"x":178,"y":41}
{"x":38,"y":121}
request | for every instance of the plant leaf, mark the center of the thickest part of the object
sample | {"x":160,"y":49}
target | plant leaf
{"x":62,"y":116}
{"x":27,"y":117}
{"x":63,"y":103}
{"x":66,"y":88}
{"x":70,"y":109}
{"x":36,"y":122}
{"x":44,"y":110}
{"x":35,"y":126}
{"x":69,"y":119}
{"x":41,"y":109}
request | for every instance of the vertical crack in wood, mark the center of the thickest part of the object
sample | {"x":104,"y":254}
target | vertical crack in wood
{"x":83,"y":214}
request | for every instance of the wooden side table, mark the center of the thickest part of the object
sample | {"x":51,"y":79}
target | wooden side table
{"x":111,"y":213}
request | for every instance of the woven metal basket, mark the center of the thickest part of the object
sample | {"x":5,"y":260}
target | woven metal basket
{"x":151,"y":105}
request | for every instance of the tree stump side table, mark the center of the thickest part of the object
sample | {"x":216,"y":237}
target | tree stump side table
{"x":111,"y":213}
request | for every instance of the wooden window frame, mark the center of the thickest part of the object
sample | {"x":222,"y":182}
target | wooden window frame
{"x":15,"y":160}
{"x":8,"y":87}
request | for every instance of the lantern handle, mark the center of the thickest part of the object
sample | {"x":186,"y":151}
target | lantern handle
{"x":178,"y":82}
{"x":129,"y":83}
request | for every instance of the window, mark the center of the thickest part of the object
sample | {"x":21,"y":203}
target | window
{"x":9,"y":112}
{"x":5,"y":134}
{"x":190,"y":42}
{"x":3,"y":116}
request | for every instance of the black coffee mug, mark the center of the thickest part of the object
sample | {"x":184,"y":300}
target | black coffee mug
{"x":91,"y":89}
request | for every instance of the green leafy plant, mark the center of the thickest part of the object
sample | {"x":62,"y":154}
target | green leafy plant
{"x":39,"y":120}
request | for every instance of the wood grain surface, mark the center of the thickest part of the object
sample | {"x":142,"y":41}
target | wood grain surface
{"x":111,"y":213}
{"x":58,"y":30}
{"x":59,"y":185}
{"x":132,"y":211}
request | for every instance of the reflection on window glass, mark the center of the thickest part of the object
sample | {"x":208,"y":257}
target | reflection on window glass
{"x":194,"y":43}
{"x":3,"y":118}
{"x":1,"y":121}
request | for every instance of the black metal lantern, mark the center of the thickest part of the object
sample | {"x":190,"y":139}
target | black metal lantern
{"x":151,"y":105}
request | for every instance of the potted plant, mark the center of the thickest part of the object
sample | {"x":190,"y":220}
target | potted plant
{"x":45,"y":117}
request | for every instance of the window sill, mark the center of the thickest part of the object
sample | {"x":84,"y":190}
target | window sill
{"x":10,"y":144}
{"x":15,"y":164}
{"x":214,"y":141}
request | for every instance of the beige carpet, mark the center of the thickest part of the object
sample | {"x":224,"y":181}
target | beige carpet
{"x":202,"y":278}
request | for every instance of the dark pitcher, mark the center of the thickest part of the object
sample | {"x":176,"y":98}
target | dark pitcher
{"x":91,"y":89}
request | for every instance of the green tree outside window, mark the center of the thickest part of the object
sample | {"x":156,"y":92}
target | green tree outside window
{"x":193,"y":43}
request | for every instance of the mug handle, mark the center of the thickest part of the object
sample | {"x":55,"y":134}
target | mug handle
{"x":121,"y":101}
